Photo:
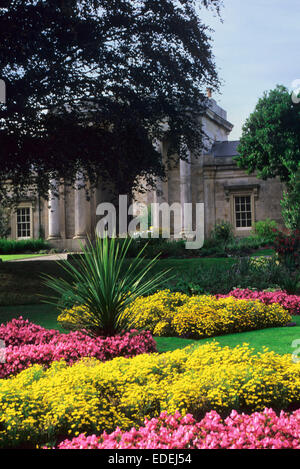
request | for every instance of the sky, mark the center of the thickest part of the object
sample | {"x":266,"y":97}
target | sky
{"x":256,"y":47}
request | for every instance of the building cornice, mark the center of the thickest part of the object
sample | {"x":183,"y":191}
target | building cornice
{"x":219,"y":120}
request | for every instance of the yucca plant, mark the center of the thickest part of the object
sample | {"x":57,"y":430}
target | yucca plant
{"x":101,"y":286}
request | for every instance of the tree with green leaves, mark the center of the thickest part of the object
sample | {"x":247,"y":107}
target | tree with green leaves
{"x":4,"y":223}
{"x":270,"y":146}
{"x":270,"y":143}
{"x":290,"y":203}
{"x":90,"y":83}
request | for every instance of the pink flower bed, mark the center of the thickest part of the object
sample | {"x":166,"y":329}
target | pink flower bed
{"x":261,"y":430}
{"x":33,"y":344}
{"x":21,"y":332}
{"x":289,"y":302}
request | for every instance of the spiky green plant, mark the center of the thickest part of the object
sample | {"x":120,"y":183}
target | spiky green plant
{"x":101,"y":283}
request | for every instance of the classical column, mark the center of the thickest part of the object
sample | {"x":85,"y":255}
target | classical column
{"x":53,"y":211}
{"x":186,"y":197}
{"x":157,"y":200}
{"x":209,"y":200}
{"x":80,"y":208}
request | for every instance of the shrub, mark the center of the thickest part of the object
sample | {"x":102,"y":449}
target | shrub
{"x":166,"y":248}
{"x":163,"y":303}
{"x":99,"y":281}
{"x":174,"y":314}
{"x":48,"y":346}
{"x":11,"y":246}
{"x":289,"y":302}
{"x":40,"y":406}
{"x":161,"y":247}
{"x":260,"y":430}
{"x":256,"y":273}
{"x":222,"y":232}
{"x":266,"y":229}
{"x":287,"y":247}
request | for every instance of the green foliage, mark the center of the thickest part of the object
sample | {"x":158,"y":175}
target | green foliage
{"x":253,"y":273}
{"x":113,"y":71}
{"x":11,"y":246}
{"x":290,"y":203}
{"x":266,"y":229}
{"x":165,"y":248}
{"x":99,"y":281}
{"x":287,"y":247}
{"x":222,"y":232}
{"x":4,"y":223}
{"x":270,"y":143}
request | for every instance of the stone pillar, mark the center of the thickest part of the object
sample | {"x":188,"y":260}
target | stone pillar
{"x":53,"y":212}
{"x":157,"y":200}
{"x":209,"y":200}
{"x":80,"y":208}
{"x":186,"y":196}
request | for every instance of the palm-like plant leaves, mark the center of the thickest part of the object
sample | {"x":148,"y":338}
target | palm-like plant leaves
{"x":102,"y":283}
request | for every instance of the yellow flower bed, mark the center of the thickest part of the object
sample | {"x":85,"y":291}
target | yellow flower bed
{"x":72,"y":319}
{"x":175,"y":314}
{"x":39,"y":406}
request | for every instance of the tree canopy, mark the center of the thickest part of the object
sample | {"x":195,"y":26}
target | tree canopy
{"x":270,"y":142}
{"x":90,"y":82}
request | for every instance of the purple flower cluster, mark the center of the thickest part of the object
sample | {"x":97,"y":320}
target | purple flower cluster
{"x":28,"y":343}
{"x":261,"y":430}
{"x":289,"y":302}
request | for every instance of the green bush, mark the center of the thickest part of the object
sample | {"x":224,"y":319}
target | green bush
{"x":222,"y":232}
{"x":165,"y":248}
{"x":266,"y":229}
{"x":161,"y":247}
{"x":290,"y":203}
{"x":11,"y":246}
{"x":254,"y":273}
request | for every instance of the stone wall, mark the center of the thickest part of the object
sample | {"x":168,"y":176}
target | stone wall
{"x":223,"y":180}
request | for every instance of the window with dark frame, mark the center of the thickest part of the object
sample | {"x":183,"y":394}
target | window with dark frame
{"x":23,"y":222}
{"x":243,"y":211}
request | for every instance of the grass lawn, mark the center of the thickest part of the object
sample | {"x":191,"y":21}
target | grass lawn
{"x":42,"y":314}
{"x":277,"y":339}
{"x":13,"y":257}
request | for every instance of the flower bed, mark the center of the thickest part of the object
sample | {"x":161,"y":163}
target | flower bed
{"x":23,"y":332}
{"x":28,"y":344}
{"x":175,"y":314}
{"x":40,"y":406}
{"x":288,"y":302}
{"x":264,"y":430}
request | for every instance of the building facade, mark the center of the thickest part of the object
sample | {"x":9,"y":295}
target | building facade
{"x":214,"y":179}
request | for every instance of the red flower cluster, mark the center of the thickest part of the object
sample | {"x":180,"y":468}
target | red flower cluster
{"x":289,"y":302}
{"x":287,"y":247}
{"x":27,"y":344}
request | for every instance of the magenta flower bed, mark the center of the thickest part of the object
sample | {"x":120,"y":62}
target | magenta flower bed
{"x":264,"y":430}
{"x":289,"y":302}
{"x":28,"y":344}
{"x":22,"y":332}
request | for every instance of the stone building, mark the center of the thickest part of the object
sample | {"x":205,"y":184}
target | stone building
{"x":214,"y":179}
{"x":228,"y":193}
